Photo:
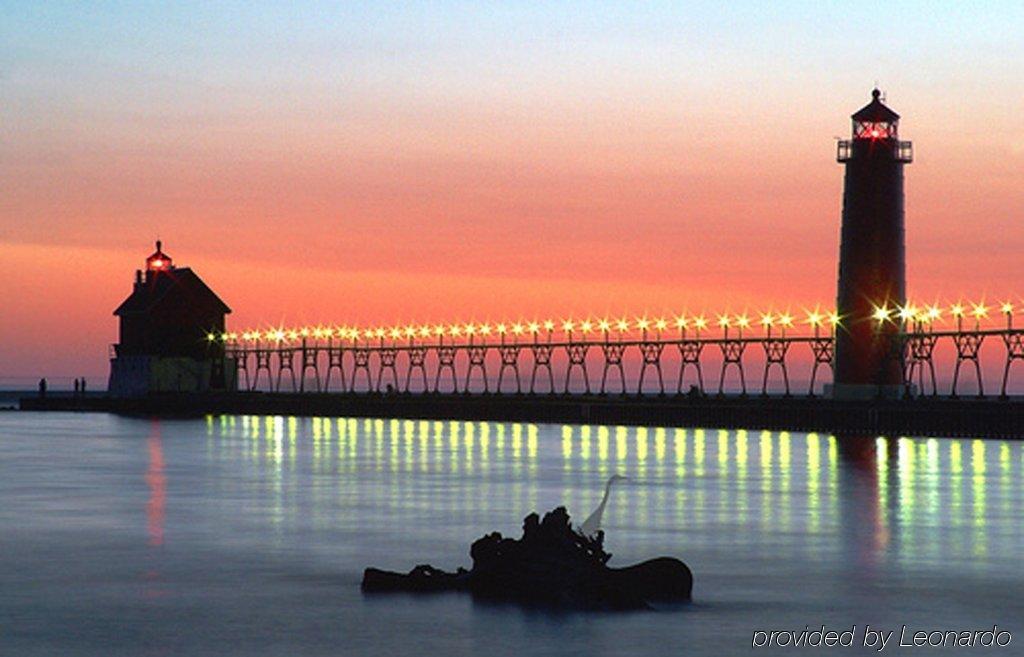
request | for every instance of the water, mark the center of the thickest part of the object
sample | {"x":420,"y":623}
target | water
{"x":248,"y":535}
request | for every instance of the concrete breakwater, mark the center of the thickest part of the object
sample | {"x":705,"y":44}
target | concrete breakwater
{"x":982,"y":418}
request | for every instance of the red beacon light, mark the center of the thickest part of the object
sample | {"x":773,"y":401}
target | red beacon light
{"x":158,"y":260}
{"x":875,"y":130}
{"x":875,"y":120}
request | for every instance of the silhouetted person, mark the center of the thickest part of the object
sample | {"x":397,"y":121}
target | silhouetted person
{"x":389,"y":388}
{"x":76,"y":387}
{"x":82,"y":387}
{"x":42,"y":387}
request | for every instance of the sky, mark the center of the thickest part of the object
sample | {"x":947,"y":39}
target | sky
{"x":380,"y":163}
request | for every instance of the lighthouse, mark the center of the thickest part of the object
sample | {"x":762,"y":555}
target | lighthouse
{"x":168,"y":333}
{"x":872,"y":266}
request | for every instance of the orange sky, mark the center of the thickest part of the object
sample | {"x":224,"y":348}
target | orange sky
{"x":454,"y":184}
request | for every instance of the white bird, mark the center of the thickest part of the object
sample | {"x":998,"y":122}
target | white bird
{"x":593,"y":523}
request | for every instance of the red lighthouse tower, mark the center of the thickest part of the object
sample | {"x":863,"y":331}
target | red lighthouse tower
{"x":872,"y":267}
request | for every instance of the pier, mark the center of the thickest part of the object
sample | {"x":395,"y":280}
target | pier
{"x":943,"y":416}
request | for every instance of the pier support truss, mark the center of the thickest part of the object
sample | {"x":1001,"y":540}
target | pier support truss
{"x":446,"y":363}
{"x":613,"y":359}
{"x":477,"y":361}
{"x":386,"y":359}
{"x":651,"y":352}
{"x":542,"y":360}
{"x":824,"y":350}
{"x":335,"y":361}
{"x":577,"y":353}
{"x":919,"y":356}
{"x":732,"y":354}
{"x":361,"y":363}
{"x":968,"y":346}
{"x":509,"y":360}
{"x":1014,"y":342}
{"x":689,"y":356}
{"x":417,"y":362}
{"x":775,"y":350}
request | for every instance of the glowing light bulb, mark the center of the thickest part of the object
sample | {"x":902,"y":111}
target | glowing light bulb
{"x":586,"y":326}
{"x":517,"y":329}
{"x":682,"y":322}
{"x":786,"y":320}
{"x":880,"y":314}
{"x":660,"y":324}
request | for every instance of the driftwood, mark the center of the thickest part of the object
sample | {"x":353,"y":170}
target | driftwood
{"x":552,"y":564}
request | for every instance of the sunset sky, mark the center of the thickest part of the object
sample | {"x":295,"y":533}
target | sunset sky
{"x":386,"y":162}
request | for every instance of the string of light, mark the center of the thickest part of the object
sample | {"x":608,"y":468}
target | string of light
{"x":911,"y":316}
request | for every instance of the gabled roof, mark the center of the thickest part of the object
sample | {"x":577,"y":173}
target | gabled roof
{"x":161,"y":284}
{"x":875,"y":111}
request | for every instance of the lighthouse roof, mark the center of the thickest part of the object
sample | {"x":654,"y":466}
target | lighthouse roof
{"x":875,"y":111}
{"x":181,"y":285}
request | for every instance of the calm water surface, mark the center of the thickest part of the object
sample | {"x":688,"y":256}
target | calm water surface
{"x":248,"y":535}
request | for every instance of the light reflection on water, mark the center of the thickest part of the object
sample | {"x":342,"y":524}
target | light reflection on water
{"x":783,"y":482}
{"x":223,"y":520}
